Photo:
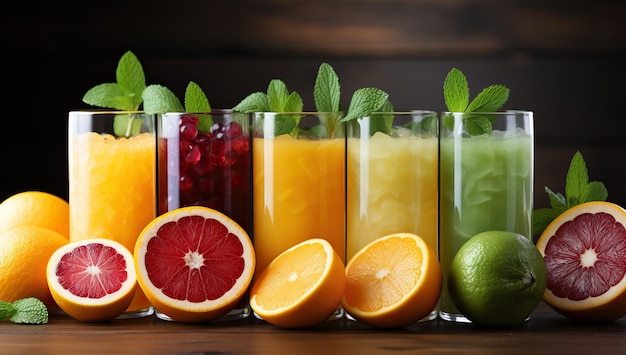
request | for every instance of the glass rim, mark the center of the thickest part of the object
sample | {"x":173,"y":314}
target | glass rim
{"x":308,"y":113}
{"x":109,"y":112}
{"x":213,"y":111}
{"x":502,"y":112}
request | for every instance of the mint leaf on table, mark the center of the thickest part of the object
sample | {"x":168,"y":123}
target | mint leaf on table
{"x":26,"y":310}
{"x":197,"y":101}
{"x":578,"y":189}
{"x":456,"y":96}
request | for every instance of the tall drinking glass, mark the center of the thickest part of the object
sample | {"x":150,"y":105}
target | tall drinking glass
{"x":486,"y":183}
{"x":392,"y":178}
{"x":298,"y":166}
{"x":112,"y":180}
{"x":204,"y":160}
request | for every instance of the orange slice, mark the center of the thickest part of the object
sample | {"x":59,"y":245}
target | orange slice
{"x":92,"y":280}
{"x":393,"y":281}
{"x":194,"y":263}
{"x":301,"y":287}
{"x":585,"y":253}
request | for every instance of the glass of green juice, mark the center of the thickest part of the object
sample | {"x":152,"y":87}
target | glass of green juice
{"x":392,"y":178}
{"x":486,"y":183}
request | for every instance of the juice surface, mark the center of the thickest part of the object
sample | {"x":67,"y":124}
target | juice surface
{"x":392,"y":188}
{"x":112,"y":189}
{"x":299,"y":193}
{"x":493,"y":192}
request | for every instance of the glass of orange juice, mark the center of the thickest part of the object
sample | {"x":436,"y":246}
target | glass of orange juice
{"x":112,"y":180}
{"x":298,"y":173}
{"x":392,"y":178}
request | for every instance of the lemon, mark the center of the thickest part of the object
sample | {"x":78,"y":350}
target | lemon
{"x":497,"y":278}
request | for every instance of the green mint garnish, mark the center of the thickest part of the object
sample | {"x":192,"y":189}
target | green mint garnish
{"x":327,"y":91}
{"x":456,"y":96}
{"x":197,"y":101}
{"x":365,"y":101}
{"x":255,"y":102}
{"x":159,"y":99}
{"x":125,"y":94}
{"x":578,"y":189}
{"x":26,"y":310}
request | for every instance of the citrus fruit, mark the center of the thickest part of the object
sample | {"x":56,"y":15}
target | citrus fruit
{"x":497,"y":278}
{"x":92,"y":280}
{"x":392,"y":282}
{"x":302,"y":287}
{"x":35,"y":208}
{"x":24,"y":253}
{"x":194,"y":263}
{"x":585,"y":253}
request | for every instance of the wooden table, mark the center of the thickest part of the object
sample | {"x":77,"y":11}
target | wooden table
{"x":546,"y":332}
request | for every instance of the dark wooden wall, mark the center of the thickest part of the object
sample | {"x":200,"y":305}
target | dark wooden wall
{"x":565,"y":60}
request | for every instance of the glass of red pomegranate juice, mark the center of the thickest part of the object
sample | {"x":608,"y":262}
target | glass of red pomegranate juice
{"x":204,"y":160}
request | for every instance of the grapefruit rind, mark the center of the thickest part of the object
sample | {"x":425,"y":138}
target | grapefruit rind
{"x":609,"y":306}
{"x":413,"y":306}
{"x":92,"y":309}
{"x":183,"y":310}
{"x":316,"y":304}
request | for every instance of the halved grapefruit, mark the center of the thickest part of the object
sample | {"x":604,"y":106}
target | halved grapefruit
{"x":194,"y":263}
{"x":585,"y":253}
{"x":92,"y":280}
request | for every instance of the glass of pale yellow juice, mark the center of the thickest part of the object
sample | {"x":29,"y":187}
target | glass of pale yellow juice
{"x":112,"y":180}
{"x":298,"y":173}
{"x":392,"y":178}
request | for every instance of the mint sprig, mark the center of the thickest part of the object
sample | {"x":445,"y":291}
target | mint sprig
{"x":28,"y":310}
{"x":578,"y":189}
{"x":128,"y":93}
{"x":456,"y":96}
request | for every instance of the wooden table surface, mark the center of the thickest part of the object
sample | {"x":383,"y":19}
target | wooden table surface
{"x":546,"y":332}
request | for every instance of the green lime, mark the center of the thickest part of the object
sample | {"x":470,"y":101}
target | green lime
{"x":497,"y":279}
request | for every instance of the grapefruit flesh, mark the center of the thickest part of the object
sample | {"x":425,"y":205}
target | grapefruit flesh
{"x":92,"y":280}
{"x":585,"y":254}
{"x":194,"y":263}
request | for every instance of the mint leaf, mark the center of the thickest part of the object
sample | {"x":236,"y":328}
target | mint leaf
{"x":490,"y":99}
{"x":456,"y":91}
{"x":365,"y":101}
{"x":159,"y":99}
{"x":195,"y":99}
{"x":277,"y":95}
{"x":327,"y":91}
{"x":255,"y":102}
{"x":596,"y":191}
{"x":30,"y":311}
{"x":109,"y":95}
{"x":576,"y":180}
{"x":293,"y":104}
{"x":477,"y":124}
{"x":6,"y":310}
{"x":131,"y":78}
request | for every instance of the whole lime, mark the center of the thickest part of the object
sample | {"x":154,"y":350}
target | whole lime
{"x":497,"y":278}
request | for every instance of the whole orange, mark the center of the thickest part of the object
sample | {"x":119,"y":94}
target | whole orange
{"x":35,"y":208}
{"x":24,"y":254}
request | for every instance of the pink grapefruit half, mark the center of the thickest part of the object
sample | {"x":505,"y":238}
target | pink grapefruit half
{"x":194,"y":263}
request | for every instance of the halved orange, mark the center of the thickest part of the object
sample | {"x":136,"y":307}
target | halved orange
{"x":585,"y":253}
{"x":393,"y":281}
{"x":302,"y":287}
{"x":92,"y":280}
{"x":194,"y":263}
